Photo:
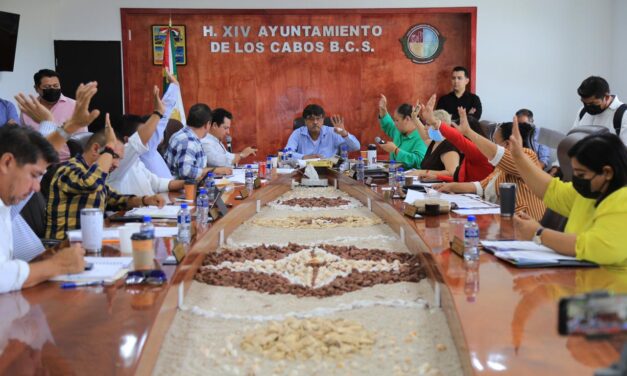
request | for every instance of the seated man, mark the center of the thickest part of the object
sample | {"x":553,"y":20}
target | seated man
{"x":407,"y":147}
{"x":217,"y":155}
{"x":8,"y":113}
{"x":80,"y":183}
{"x":132,"y":177}
{"x":185,"y":156}
{"x":544,"y":153}
{"x":24,"y":157}
{"x":318,"y":141}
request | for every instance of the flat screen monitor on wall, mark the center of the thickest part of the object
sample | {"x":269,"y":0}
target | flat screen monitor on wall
{"x":9,"y":23}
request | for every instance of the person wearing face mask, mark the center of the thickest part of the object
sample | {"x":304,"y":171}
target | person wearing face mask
{"x":48,"y":87}
{"x":442,"y":158}
{"x":406,"y":147}
{"x":601,"y":108}
{"x":505,"y":170}
{"x":595,"y":202}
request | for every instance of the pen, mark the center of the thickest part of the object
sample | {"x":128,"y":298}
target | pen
{"x":73,"y":285}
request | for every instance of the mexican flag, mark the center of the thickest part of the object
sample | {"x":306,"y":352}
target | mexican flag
{"x":169,"y":63}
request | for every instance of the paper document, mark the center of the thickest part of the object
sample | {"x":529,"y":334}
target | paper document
{"x":168,"y":211}
{"x":477,"y":211}
{"x":463,"y":201}
{"x":282,"y":171}
{"x":113,"y":233}
{"x":524,"y":250}
{"x":105,"y":269}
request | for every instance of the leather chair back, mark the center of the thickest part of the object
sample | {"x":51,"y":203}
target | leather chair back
{"x":573,"y":136}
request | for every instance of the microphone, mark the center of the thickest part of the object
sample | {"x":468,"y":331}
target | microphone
{"x":228,"y":144}
{"x":378,"y":140}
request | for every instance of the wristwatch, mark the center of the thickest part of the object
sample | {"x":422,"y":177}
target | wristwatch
{"x":537,"y":237}
{"x":155,"y":112}
{"x":63,"y":132}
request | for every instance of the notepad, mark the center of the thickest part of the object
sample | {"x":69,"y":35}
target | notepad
{"x":529,"y":254}
{"x":106,"y":269}
{"x":463,"y":201}
{"x":168,"y":211}
{"x":486,"y":211}
{"x":114,"y":233}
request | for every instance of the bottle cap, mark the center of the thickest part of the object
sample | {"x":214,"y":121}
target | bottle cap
{"x":147,"y":218}
{"x":203,"y":191}
{"x":392,"y":161}
{"x":209,"y":174}
{"x":360,"y":159}
{"x":184,"y":205}
{"x":248,"y":166}
{"x":471,"y":218}
{"x":400,"y":169}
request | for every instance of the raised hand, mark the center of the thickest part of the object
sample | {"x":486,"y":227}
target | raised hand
{"x":383,"y":105}
{"x":427,"y":113}
{"x":170,"y":77}
{"x":82,"y":117}
{"x":109,"y":133}
{"x":33,"y":108}
{"x":415,"y":112}
{"x":464,"y":126}
{"x":156,"y":101}
{"x":515,"y":140}
{"x":338,"y":124}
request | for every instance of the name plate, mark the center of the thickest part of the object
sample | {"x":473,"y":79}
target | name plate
{"x":257,"y":183}
{"x":214,"y":213}
{"x":410,"y":211}
{"x":244,"y":193}
{"x":457,"y":246}
{"x":179,"y":252}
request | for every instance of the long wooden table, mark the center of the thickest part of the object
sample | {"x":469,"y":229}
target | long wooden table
{"x":503,"y":319}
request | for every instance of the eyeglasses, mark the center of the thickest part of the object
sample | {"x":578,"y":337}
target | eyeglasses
{"x":148,"y":277}
{"x":314,"y":118}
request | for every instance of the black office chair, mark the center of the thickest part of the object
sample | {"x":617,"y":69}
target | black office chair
{"x":77,"y":142}
{"x":34,"y":214}
{"x":299,"y":122}
{"x":574,"y":136}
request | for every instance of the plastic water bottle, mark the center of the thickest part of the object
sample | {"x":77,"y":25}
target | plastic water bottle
{"x":250,"y":178}
{"x":471,"y":239}
{"x":184,"y":222}
{"x":202,"y":207}
{"x":360,"y":169}
{"x":147,"y":227}
{"x":344,"y":156}
{"x":289,"y":154}
{"x":392,"y":173}
{"x":210,"y":186}
{"x":268,"y":167}
{"x":400,"y":178}
{"x":283,"y":158}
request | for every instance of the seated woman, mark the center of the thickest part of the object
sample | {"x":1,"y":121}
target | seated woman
{"x":442,"y":158}
{"x":505,"y":171}
{"x":595,"y":202}
{"x":406,"y":147}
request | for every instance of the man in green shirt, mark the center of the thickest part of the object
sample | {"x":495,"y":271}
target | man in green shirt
{"x":406,"y":147}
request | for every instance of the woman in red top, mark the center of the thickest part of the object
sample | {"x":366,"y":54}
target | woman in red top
{"x":474,"y":166}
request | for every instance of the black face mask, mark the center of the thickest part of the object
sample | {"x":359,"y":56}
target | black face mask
{"x":593,"y":109}
{"x":51,"y":95}
{"x":584,"y":187}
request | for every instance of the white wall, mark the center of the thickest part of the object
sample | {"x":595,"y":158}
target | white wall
{"x":530,"y":54}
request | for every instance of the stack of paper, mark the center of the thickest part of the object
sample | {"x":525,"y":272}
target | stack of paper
{"x":530,"y":254}
{"x":168,"y":211}
{"x":463,"y":201}
{"x":106,"y":269}
{"x":114,"y":233}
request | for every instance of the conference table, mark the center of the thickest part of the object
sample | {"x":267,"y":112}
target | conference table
{"x":503,"y":319}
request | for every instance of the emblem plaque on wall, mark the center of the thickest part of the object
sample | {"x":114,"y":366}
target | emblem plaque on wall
{"x":422,"y":43}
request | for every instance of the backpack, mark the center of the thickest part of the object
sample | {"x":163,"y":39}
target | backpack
{"x":618,"y":117}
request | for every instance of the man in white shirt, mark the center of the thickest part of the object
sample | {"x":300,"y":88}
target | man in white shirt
{"x":24,"y":157}
{"x":132,"y":177}
{"x":601,"y":108}
{"x":217,"y":155}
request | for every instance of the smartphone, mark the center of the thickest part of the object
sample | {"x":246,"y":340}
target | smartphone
{"x":594,"y":314}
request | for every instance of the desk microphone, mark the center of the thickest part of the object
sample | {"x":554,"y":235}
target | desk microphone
{"x":379,"y":141}
{"x":228,"y":144}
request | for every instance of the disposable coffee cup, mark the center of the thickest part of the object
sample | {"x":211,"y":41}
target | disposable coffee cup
{"x":507,"y":195}
{"x":92,"y":228}
{"x":143,"y":251}
{"x":372,"y":155}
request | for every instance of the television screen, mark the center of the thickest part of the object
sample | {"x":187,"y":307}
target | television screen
{"x":9,"y":23}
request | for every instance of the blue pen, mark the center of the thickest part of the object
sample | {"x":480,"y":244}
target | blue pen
{"x":73,"y":285}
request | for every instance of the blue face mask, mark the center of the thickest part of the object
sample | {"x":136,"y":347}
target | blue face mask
{"x":435,"y":135}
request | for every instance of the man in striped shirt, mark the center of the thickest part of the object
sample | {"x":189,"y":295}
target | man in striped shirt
{"x":185,"y":155}
{"x":80,"y":183}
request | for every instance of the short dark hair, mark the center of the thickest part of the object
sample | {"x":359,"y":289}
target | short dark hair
{"x":475,"y":125}
{"x":526,"y":132}
{"x":593,"y":86}
{"x":461,"y":69}
{"x":599,"y":150}
{"x":26,"y":144}
{"x":96,"y":138}
{"x":128,"y":125}
{"x":525,"y":112}
{"x":44,"y":73}
{"x":405,"y":110}
{"x":313,"y":109}
{"x":199,"y":115}
{"x":219,"y":114}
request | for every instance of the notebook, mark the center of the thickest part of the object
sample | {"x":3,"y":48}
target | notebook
{"x":527,"y":254}
{"x":106,"y":269}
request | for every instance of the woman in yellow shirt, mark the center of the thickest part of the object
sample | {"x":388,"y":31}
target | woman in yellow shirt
{"x":595,"y":202}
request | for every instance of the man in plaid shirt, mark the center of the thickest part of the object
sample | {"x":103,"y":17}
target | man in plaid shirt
{"x":80,"y":183}
{"x":185,"y":155}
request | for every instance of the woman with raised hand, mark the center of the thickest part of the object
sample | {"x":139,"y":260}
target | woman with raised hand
{"x":595,"y":202}
{"x":505,"y":169}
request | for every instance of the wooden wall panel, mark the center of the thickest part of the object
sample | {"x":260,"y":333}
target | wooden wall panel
{"x":266,"y":91}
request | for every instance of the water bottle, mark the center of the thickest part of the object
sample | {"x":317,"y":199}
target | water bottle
{"x":471,"y":282}
{"x":283,"y":158}
{"x":210,"y":186}
{"x":184,"y":222}
{"x":289,"y":154}
{"x":344,"y":156}
{"x":471,"y":239}
{"x":392,"y":173}
{"x":269,"y":167}
{"x":250,"y":178}
{"x":147,"y":227}
{"x":202,"y":207}
{"x":360,"y":169}
{"x":400,"y":178}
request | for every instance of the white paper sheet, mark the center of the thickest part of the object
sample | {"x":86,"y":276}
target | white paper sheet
{"x":524,"y":250}
{"x":477,"y":211}
{"x":168,"y":211}
{"x":114,"y":233}
{"x":463,"y":201}
{"x":284,"y":170}
{"x":105,"y":269}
